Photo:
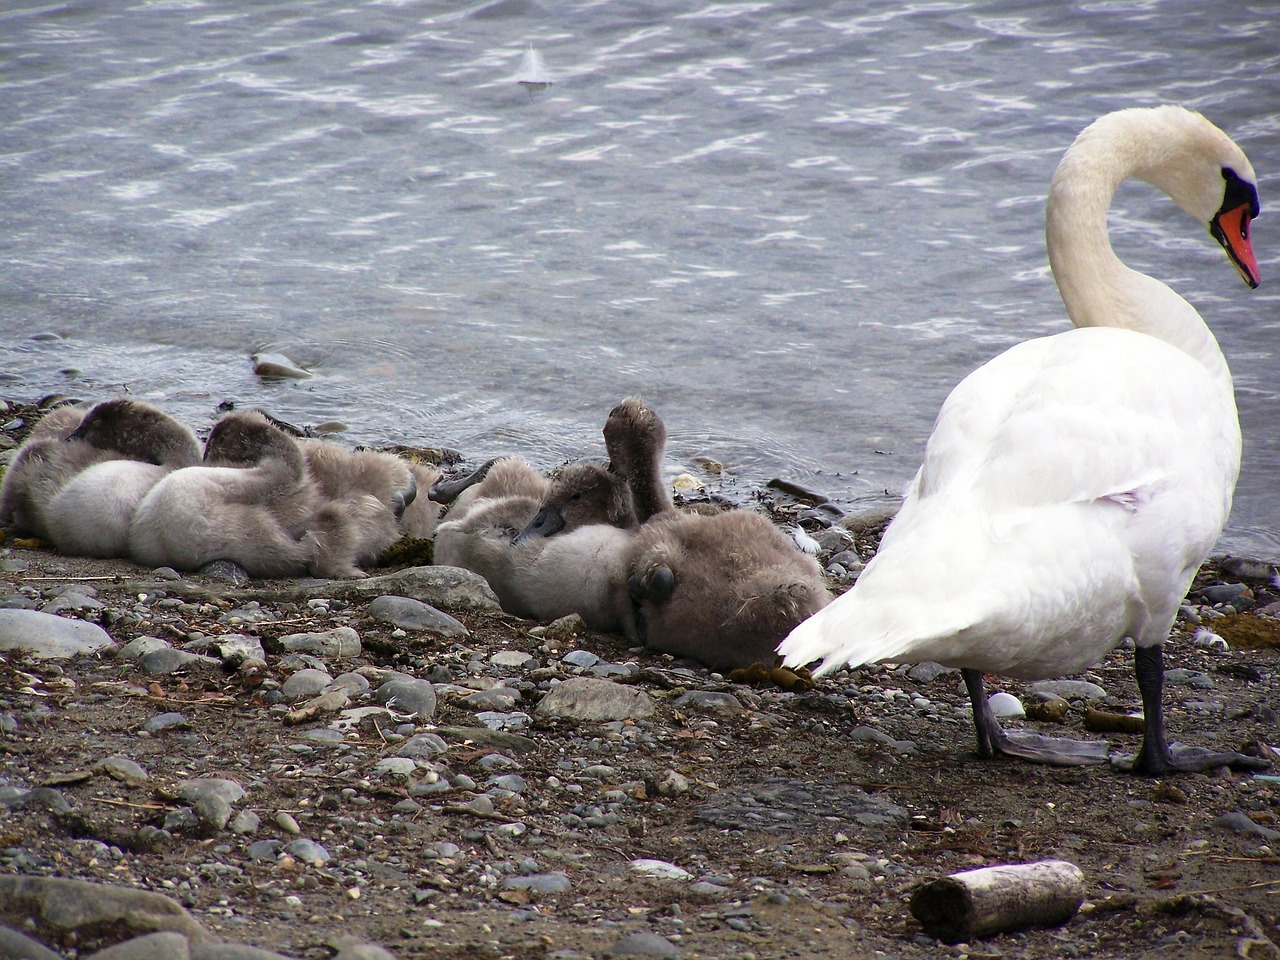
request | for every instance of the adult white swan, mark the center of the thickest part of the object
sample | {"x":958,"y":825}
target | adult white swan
{"x":1073,"y":485}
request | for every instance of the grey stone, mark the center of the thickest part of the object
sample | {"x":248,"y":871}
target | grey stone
{"x":580,"y":658}
{"x":308,"y":851}
{"x":352,"y":684}
{"x":408,"y":695}
{"x":350,"y":948}
{"x":154,"y":946}
{"x":305,"y":683}
{"x":395,"y":766}
{"x":439,"y":586}
{"x":71,"y":602}
{"x":509,"y":781}
{"x":422,"y":745}
{"x":16,"y":946}
{"x":1069,"y":689}
{"x":539,"y":883}
{"x":233,"y":951}
{"x":245,"y":821}
{"x":213,"y":811}
{"x":513,"y":658}
{"x":49,"y":637}
{"x":231,"y":647}
{"x":138,"y":648}
{"x":336,"y":643}
{"x":595,"y":699}
{"x":263,"y":850}
{"x":276,"y":366}
{"x":497,"y":698}
{"x":485,"y":737}
{"x":1241,"y":823}
{"x":514,"y":720}
{"x":644,"y":944}
{"x":123,"y":769}
{"x":168,"y":660}
{"x":192,"y":790}
{"x":285,"y":822}
{"x":166,"y":721}
{"x":704,"y":701}
{"x":410,"y":614}
{"x":84,"y":908}
{"x":927,"y":670}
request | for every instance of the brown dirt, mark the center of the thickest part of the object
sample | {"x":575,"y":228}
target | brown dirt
{"x":1162,"y":879}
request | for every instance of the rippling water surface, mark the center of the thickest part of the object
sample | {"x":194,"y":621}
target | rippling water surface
{"x":791,"y":227}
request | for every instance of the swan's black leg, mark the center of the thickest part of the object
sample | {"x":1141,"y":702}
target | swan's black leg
{"x":446,"y":491}
{"x":401,"y":499}
{"x":1158,"y":756}
{"x":1020,"y":743}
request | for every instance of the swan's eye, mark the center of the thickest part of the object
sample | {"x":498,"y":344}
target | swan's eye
{"x":576,"y":496}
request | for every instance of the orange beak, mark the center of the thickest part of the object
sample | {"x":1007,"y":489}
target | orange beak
{"x":1231,"y":229}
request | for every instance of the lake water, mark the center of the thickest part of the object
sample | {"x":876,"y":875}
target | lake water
{"x":790,"y":227}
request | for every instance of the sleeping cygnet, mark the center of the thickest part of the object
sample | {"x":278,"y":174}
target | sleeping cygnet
{"x":252,"y":503}
{"x":379,"y":491}
{"x":41,"y":467}
{"x":90,"y":515}
{"x":723,"y":589}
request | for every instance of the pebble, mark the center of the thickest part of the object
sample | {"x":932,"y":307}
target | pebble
{"x":660,"y":870}
{"x":704,"y":701}
{"x":408,"y":695}
{"x":1006,"y":705}
{"x":287,"y":823}
{"x":644,"y":944}
{"x":167,"y":721}
{"x":595,"y":699}
{"x":409,"y":614}
{"x":276,"y":366}
{"x":395,"y":766}
{"x":1068,"y":690}
{"x":927,"y":671}
{"x":46,"y":636}
{"x":308,"y":851}
{"x":137,"y":648}
{"x":499,"y":698}
{"x":305,"y":683}
{"x":516,"y":659}
{"x":124,"y":770}
{"x":167,"y":660}
{"x":515,"y":720}
{"x":192,"y":791}
{"x":422,"y":745}
{"x":338,"y":643}
{"x":581,"y":659}
{"x":543,"y":883}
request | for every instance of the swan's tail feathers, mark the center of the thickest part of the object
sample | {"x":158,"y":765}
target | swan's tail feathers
{"x":849,"y":633}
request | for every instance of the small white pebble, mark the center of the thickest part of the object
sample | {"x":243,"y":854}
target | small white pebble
{"x":1006,"y":705}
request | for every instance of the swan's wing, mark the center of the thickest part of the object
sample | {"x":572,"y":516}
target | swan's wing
{"x":1070,"y":486}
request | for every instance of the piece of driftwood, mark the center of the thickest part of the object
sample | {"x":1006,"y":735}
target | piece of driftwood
{"x":977,"y":903}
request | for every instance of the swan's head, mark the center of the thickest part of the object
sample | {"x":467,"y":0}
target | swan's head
{"x":1205,"y":173}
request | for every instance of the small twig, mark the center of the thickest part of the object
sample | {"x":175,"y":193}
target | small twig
{"x":39,"y":579}
{"x":1244,"y":886}
{"x":126,"y":803}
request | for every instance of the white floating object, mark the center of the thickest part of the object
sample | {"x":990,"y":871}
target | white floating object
{"x":660,"y":870}
{"x":276,"y":366}
{"x":686,"y":483}
{"x":533,"y":74}
{"x":1006,"y":705}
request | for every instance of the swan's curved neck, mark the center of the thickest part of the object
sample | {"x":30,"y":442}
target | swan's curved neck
{"x":1096,"y":287}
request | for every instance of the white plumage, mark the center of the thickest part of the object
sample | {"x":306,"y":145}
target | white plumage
{"x":1072,"y":485}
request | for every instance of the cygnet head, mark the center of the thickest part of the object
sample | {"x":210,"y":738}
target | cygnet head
{"x":139,"y":431}
{"x":247,"y":439}
{"x":582,"y":493}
